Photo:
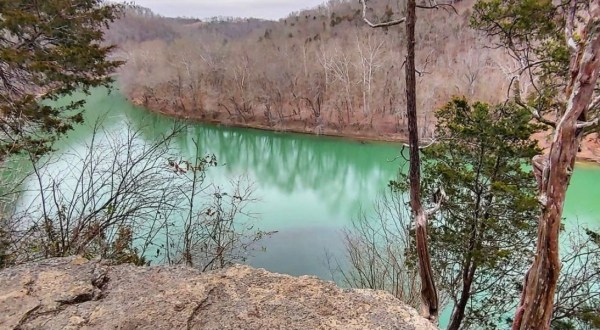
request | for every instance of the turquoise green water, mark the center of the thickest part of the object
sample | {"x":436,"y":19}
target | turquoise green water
{"x":309,"y":187}
{"x":582,"y":206}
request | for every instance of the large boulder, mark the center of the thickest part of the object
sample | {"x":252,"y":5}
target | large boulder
{"x":74,"y":293}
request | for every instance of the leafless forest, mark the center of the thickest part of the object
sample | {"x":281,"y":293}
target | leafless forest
{"x":320,"y":71}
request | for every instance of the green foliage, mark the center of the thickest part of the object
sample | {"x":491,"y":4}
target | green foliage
{"x":519,"y":20}
{"x":481,"y":239}
{"x":525,"y":25}
{"x":49,"y":49}
{"x":533,"y":32}
{"x":545,"y":37}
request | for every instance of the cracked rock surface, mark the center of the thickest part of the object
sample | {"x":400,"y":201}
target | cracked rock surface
{"x":74,"y":293}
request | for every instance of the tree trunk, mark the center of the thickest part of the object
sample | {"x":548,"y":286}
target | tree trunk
{"x":465,"y":295}
{"x":536,"y":305}
{"x":429,"y":298}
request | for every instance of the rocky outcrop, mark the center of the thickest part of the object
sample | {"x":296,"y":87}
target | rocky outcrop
{"x":74,"y":293}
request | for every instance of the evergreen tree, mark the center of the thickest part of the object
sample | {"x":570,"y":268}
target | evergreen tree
{"x":482,"y":236}
{"x":557,"y":45}
{"x":49,"y":49}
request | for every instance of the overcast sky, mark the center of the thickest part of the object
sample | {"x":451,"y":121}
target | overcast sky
{"x":268,"y":9}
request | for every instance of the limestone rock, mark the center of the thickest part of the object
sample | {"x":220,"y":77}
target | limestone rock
{"x":74,"y":293}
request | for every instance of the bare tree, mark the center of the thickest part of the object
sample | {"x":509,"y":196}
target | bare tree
{"x":342,"y":71}
{"x":577,"y":302}
{"x":225,"y":232}
{"x":377,"y":248}
{"x":80,"y":210}
{"x":369,"y":50}
{"x":123,"y":198}
{"x":429,"y":296}
{"x":264,"y":77}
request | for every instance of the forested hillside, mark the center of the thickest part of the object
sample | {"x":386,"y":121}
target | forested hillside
{"x":476,"y":226}
{"x":321,"y":70}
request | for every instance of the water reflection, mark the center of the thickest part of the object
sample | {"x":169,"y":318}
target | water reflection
{"x":340,"y":173}
{"x":310,"y":187}
{"x":336,"y":173}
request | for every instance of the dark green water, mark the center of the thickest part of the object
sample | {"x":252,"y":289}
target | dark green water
{"x":310,"y":187}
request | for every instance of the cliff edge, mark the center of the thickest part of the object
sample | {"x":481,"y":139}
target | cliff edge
{"x":74,"y":293}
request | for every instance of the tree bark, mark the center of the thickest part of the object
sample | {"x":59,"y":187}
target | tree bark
{"x":429,"y":298}
{"x":536,"y":305}
{"x":468,"y":274}
{"x":465,"y":295}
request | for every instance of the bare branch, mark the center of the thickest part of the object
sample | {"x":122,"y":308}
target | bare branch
{"x":378,"y":25}
{"x":586,"y":124}
{"x":448,"y":7}
{"x":440,"y":198}
{"x":432,"y":142}
{"x":595,"y":103}
{"x":534,"y":112}
{"x":530,"y":65}
{"x":570,"y":26}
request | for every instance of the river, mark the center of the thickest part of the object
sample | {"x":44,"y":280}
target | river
{"x":309,"y":187}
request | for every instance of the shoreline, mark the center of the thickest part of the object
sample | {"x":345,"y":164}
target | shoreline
{"x":362,"y":137}
{"x":586,"y":160}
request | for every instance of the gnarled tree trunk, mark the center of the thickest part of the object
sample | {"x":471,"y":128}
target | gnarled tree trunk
{"x":536,"y":305}
{"x":429,"y":298}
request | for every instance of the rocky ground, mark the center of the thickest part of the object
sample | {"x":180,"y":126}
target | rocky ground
{"x":74,"y":293}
